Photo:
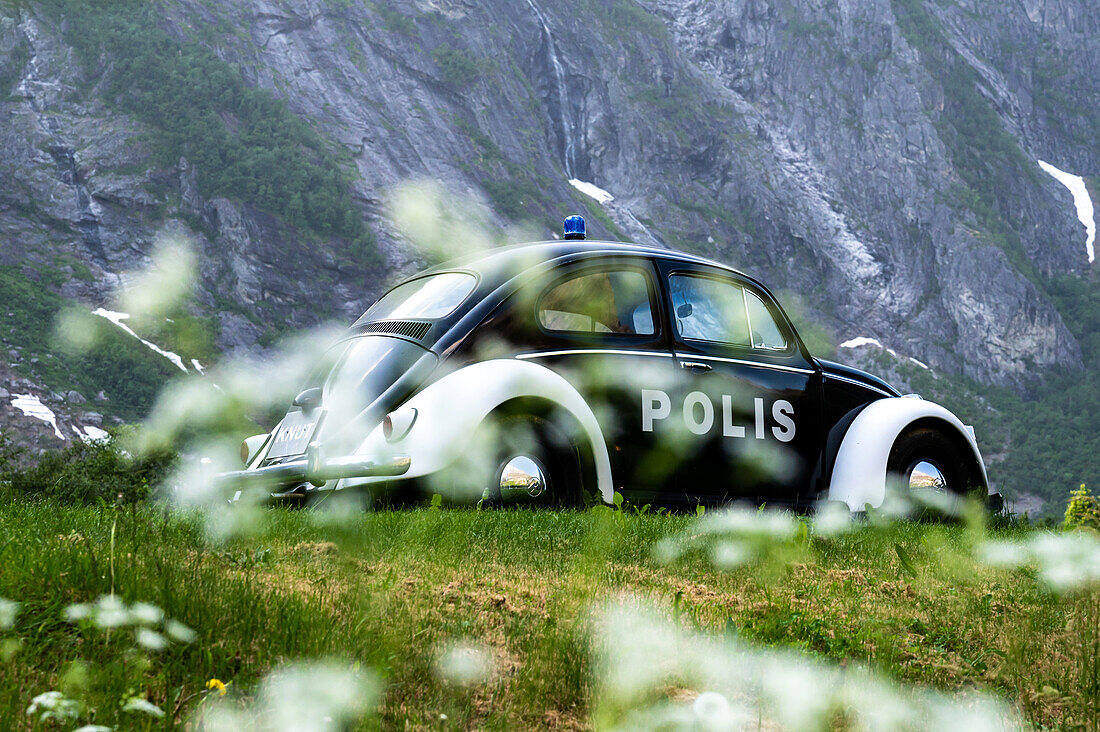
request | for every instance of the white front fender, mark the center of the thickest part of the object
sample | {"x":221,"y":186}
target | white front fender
{"x":859,"y":473}
{"x":450,"y":410}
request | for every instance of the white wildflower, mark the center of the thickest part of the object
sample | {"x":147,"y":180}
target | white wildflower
{"x":146,"y":614}
{"x":465,"y":664}
{"x":1065,"y":562}
{"x":179,"y":632}
{"x":111,"y":612}
{"x":308,"y":697}
{"x":150,"y":639}
{"x":77,"y":612}
{"x":833,"y":519}
{"x":9,"y":609}
{"x":53,"y":705}
{"x":741,"y":686}
{"x":730,"y":555}
{"x":142,"y":706}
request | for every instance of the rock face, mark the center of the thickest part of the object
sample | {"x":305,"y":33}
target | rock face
{"x":816,"y":144}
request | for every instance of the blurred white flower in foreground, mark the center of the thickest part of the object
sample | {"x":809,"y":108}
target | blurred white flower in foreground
{"x":54,"y":706}
{"x":9,"y":609}
{"x":465,"y":664}
{"x":733,"y":536}
{"x":153,"y":291}
{"x":1065,"y":562}
{"x":304,"y":697}
{"x":109,"y":611}
{"x":651,"y":673}
{"x":142,"y":706}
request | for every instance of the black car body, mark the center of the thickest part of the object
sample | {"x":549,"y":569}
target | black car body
{"x":602,"y":367}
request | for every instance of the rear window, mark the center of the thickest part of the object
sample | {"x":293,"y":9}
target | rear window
{"x":425,"y":298}
{"x":615,"y":302}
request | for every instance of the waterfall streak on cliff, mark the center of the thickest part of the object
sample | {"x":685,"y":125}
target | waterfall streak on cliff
{"x":568,"y":126}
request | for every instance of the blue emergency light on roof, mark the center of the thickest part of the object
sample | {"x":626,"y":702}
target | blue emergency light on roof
{"x":574,"y":227}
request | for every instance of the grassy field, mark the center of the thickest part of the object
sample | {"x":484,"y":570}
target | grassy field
{"x":458,"y":619}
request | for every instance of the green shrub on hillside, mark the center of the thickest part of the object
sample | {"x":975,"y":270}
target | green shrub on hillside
{"x":457,"y":66}
{"x":88,"y":473}
{"x":245,"y":143}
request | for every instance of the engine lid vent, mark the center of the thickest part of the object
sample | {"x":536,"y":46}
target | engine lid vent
{"x":415,"y":329}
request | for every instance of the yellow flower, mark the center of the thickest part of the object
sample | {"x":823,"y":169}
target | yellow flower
{"x":216,"y":685}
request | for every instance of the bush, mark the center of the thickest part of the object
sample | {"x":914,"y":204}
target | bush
{"x":1083,"y":509}
{"x":88,"y":473}
{"x":457,"y":67}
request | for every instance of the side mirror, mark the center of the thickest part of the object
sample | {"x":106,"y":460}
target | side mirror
{"x":684,"y":311}
{"x":309,"y":399}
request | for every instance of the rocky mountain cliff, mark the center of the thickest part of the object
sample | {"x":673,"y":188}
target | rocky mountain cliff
{"x":876,"y":158}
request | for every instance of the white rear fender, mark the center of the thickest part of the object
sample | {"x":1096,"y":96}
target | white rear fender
{"x":859,"y":473}
{"x":450,"y":410}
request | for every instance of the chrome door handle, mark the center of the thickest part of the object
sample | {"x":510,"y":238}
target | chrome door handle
{"x":695,"y":366}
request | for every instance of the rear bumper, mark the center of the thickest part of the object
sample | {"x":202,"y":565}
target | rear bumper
{"x":995,"y":503}
{"x":313,"y":470}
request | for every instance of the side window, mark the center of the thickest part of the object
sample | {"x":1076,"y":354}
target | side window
{"x":765,"y":331}
{"x":599,"y":302}
{"x":707,"y":309}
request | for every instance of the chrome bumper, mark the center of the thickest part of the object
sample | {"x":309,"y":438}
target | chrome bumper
{"x":314,"y":470}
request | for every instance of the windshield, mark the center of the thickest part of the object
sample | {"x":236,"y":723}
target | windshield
{"x":424,"y":298}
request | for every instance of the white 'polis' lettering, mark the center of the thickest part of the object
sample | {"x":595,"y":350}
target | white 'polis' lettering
{"x":699,"y":416}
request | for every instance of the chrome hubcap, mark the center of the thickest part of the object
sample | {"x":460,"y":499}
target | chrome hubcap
{"x":522,"y":477}
{"x":926,"y":476}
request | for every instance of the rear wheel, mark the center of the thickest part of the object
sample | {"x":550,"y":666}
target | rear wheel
{"x":533,"y":463}
{"x":930,"y":468}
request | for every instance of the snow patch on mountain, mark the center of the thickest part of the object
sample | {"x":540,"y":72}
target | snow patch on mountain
{"x":92,"y":434}
{"x":32,"y":406}
{"x":592,"y":191}
{"x":117,"y":318}
{"x":868,"y":341}
{"x":1081,"y":200}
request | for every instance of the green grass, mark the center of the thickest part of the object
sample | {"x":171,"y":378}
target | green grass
{"x":387,"y":590}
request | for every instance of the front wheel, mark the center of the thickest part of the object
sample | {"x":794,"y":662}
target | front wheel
{"x":928,"y":467}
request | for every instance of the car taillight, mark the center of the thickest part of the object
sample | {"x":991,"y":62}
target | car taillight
{"x":397,"y":424}
{"x":244,"y":452}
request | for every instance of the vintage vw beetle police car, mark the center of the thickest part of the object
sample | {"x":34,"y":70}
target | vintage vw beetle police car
{"x":553,"y":371}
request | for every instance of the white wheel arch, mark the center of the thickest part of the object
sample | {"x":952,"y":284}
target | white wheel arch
{"x":450,"y":410}
{"x":859,"y":472}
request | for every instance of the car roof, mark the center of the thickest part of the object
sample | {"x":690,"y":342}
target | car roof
{"x":518,"y":257}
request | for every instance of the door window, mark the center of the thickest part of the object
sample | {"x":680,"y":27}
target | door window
{"x":707,"y":309}
{"x":720,"y":311}
{"x":599,"y":302}
{"x":765,"y":331}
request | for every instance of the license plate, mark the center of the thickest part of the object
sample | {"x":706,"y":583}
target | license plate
{"x":293,"y":434}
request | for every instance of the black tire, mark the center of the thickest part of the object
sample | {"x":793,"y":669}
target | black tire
{"x":513,"y":435}
{"x":931,"y":445}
